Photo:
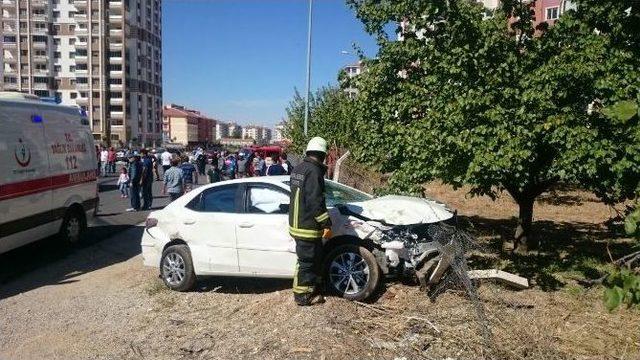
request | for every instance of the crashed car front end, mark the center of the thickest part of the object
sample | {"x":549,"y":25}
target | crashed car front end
{"x":412,"y":237}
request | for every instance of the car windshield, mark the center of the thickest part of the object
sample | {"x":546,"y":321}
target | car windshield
{"x":340,"y":194}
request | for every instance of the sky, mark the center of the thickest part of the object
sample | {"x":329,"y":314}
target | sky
{"x":240,"y":60}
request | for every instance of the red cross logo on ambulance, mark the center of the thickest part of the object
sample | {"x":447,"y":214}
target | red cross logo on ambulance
{"x":22,"y":154}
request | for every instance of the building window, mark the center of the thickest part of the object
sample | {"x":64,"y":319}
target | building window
{"x":552,"y":13}
{"x":72,"y":41}
{"x":24,"y":52}
{"x":72,"y":14}
{"x":72,"y":68}
{"x":9,"y":39}
{"x":56,"y":14}
{"x":72,"y":82}
{"x":73,"y":95}
{"x":57,"y":68}
{"x":72,"y":28}
{"x":56,"y":55}
{"x":96,"y":94}
{"x":56,"y":41}
{"x":72,"y":55}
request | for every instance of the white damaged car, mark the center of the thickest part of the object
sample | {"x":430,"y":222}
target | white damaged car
{"x":240,"y":228}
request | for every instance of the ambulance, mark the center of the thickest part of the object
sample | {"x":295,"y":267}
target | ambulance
{"x":47,"y":171}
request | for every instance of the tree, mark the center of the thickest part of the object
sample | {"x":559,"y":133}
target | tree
{"x":493,"y":103}
{"x":330,"y":116}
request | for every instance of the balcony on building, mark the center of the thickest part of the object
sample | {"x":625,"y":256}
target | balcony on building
{"x":116,"y":101}
{"x":8,"y":3}
{"x":115,"y":4}
{"x":82,"y":100}
{"x":80,"y":4}
{"x":9,"y":13}
{"x":40,"y":30}
{"x":39,"y":4}
{"x":9,"y":69}
{"x":81,"y":31}
{"x":115,"y":87}
{"x":82,"y":86}
{"x":10,"y":86}
{"x":82,"y":71}
{"x":39,"y":17}
{"x":116,"y":114}
{"x":115,"y":46}
{"x":81,"y":44}
{"x":80,"y":17}
{"x":41,"y":72}
{"x":40,"y":59}
{"x":81,"y":57}
{"x":39,"y":44}
{"x":116,"y":33}
{"x":116,"y":60}
{"x":115,"y":18}
{"x":40,"y":86}
{"x":8,"y":29}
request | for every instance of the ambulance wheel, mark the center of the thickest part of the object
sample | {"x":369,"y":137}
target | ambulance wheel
{"x":352,"y":272}
{"x":74,"y":225}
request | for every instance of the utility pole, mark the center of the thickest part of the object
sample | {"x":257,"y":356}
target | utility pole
{"x":306,"y":105}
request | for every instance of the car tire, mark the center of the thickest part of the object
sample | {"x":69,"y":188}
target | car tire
{"x":73,"y":227}
{"x":352,"y":272}
{"x":176,"y":268}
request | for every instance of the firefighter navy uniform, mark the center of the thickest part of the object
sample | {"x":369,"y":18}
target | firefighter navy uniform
{"x":308,"y":217}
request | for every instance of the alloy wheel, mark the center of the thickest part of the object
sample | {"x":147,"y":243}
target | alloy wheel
{"x":173,"y":269}
{"x":349,"y":273}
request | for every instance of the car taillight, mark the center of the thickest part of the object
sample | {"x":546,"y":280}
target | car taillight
{"x":150,"y":222}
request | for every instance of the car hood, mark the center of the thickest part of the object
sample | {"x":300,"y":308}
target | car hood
{"x":402,"y":210}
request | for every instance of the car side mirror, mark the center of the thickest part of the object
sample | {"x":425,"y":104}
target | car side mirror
{"x":284,"y":208}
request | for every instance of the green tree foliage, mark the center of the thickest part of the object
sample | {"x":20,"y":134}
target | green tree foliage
{"x":330,"y":116}
{"x":496,"y":104}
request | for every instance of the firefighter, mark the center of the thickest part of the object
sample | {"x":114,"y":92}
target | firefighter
{"x":309,"y":221}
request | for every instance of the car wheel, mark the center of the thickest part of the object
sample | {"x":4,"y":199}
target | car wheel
{"x":176,"y":268}
{"x":352,"y":272}
{"x":73,"y":227}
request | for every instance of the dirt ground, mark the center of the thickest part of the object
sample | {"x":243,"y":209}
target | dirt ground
{"x":100,"y":303}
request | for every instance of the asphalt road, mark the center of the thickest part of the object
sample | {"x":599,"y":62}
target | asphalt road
{"x":111,"y":219}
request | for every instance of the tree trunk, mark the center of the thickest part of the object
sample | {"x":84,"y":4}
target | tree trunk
{"x":523,"y":240}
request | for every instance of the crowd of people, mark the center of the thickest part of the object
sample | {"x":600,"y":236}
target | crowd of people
{"x":181,"y":172}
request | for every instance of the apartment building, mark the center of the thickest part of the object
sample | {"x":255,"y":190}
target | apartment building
{"x":279,"y":132}
{"x":353,"y":70}
{"x":187,"y":127}
{"x":261,"y":134}
{"x":101,"y":55}
{"x":222,"y":130}
{"x":235,"y":130}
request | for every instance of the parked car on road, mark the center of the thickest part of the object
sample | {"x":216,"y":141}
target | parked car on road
{"x":240,"y":228}
{"x":48,"y":166}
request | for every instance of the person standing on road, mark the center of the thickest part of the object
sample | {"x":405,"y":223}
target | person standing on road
{"x":166,"y":158}
{"x":155,"y":157}
{"x":123,"y":183}
{"x":201,"y":162}
{"x":173,"y":181}
{"x":242,"y":167}
{"x":147,"y":180}
{"x":309,"y":221}
{"x":189,"y":174}
{"x":135,"y":175}
{"x":111,"y":159}
{"x":104,"y":161}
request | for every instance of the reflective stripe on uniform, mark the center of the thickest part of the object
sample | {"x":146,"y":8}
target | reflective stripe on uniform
{"x":305,"y":233}
{"x":296,"y":208}
{"x":322,"y":217}
{"x":299,"y":289}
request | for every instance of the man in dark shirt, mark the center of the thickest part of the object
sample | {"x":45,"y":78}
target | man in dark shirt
{"x":147,"y":180}
{"x":189,"y":173}
{"x":135,"y":175}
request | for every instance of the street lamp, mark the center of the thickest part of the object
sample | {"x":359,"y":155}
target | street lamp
{"x":306,"y":105}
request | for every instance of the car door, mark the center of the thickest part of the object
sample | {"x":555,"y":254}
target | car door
{"x":264,"y":245}
{"x":208,"y":224}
